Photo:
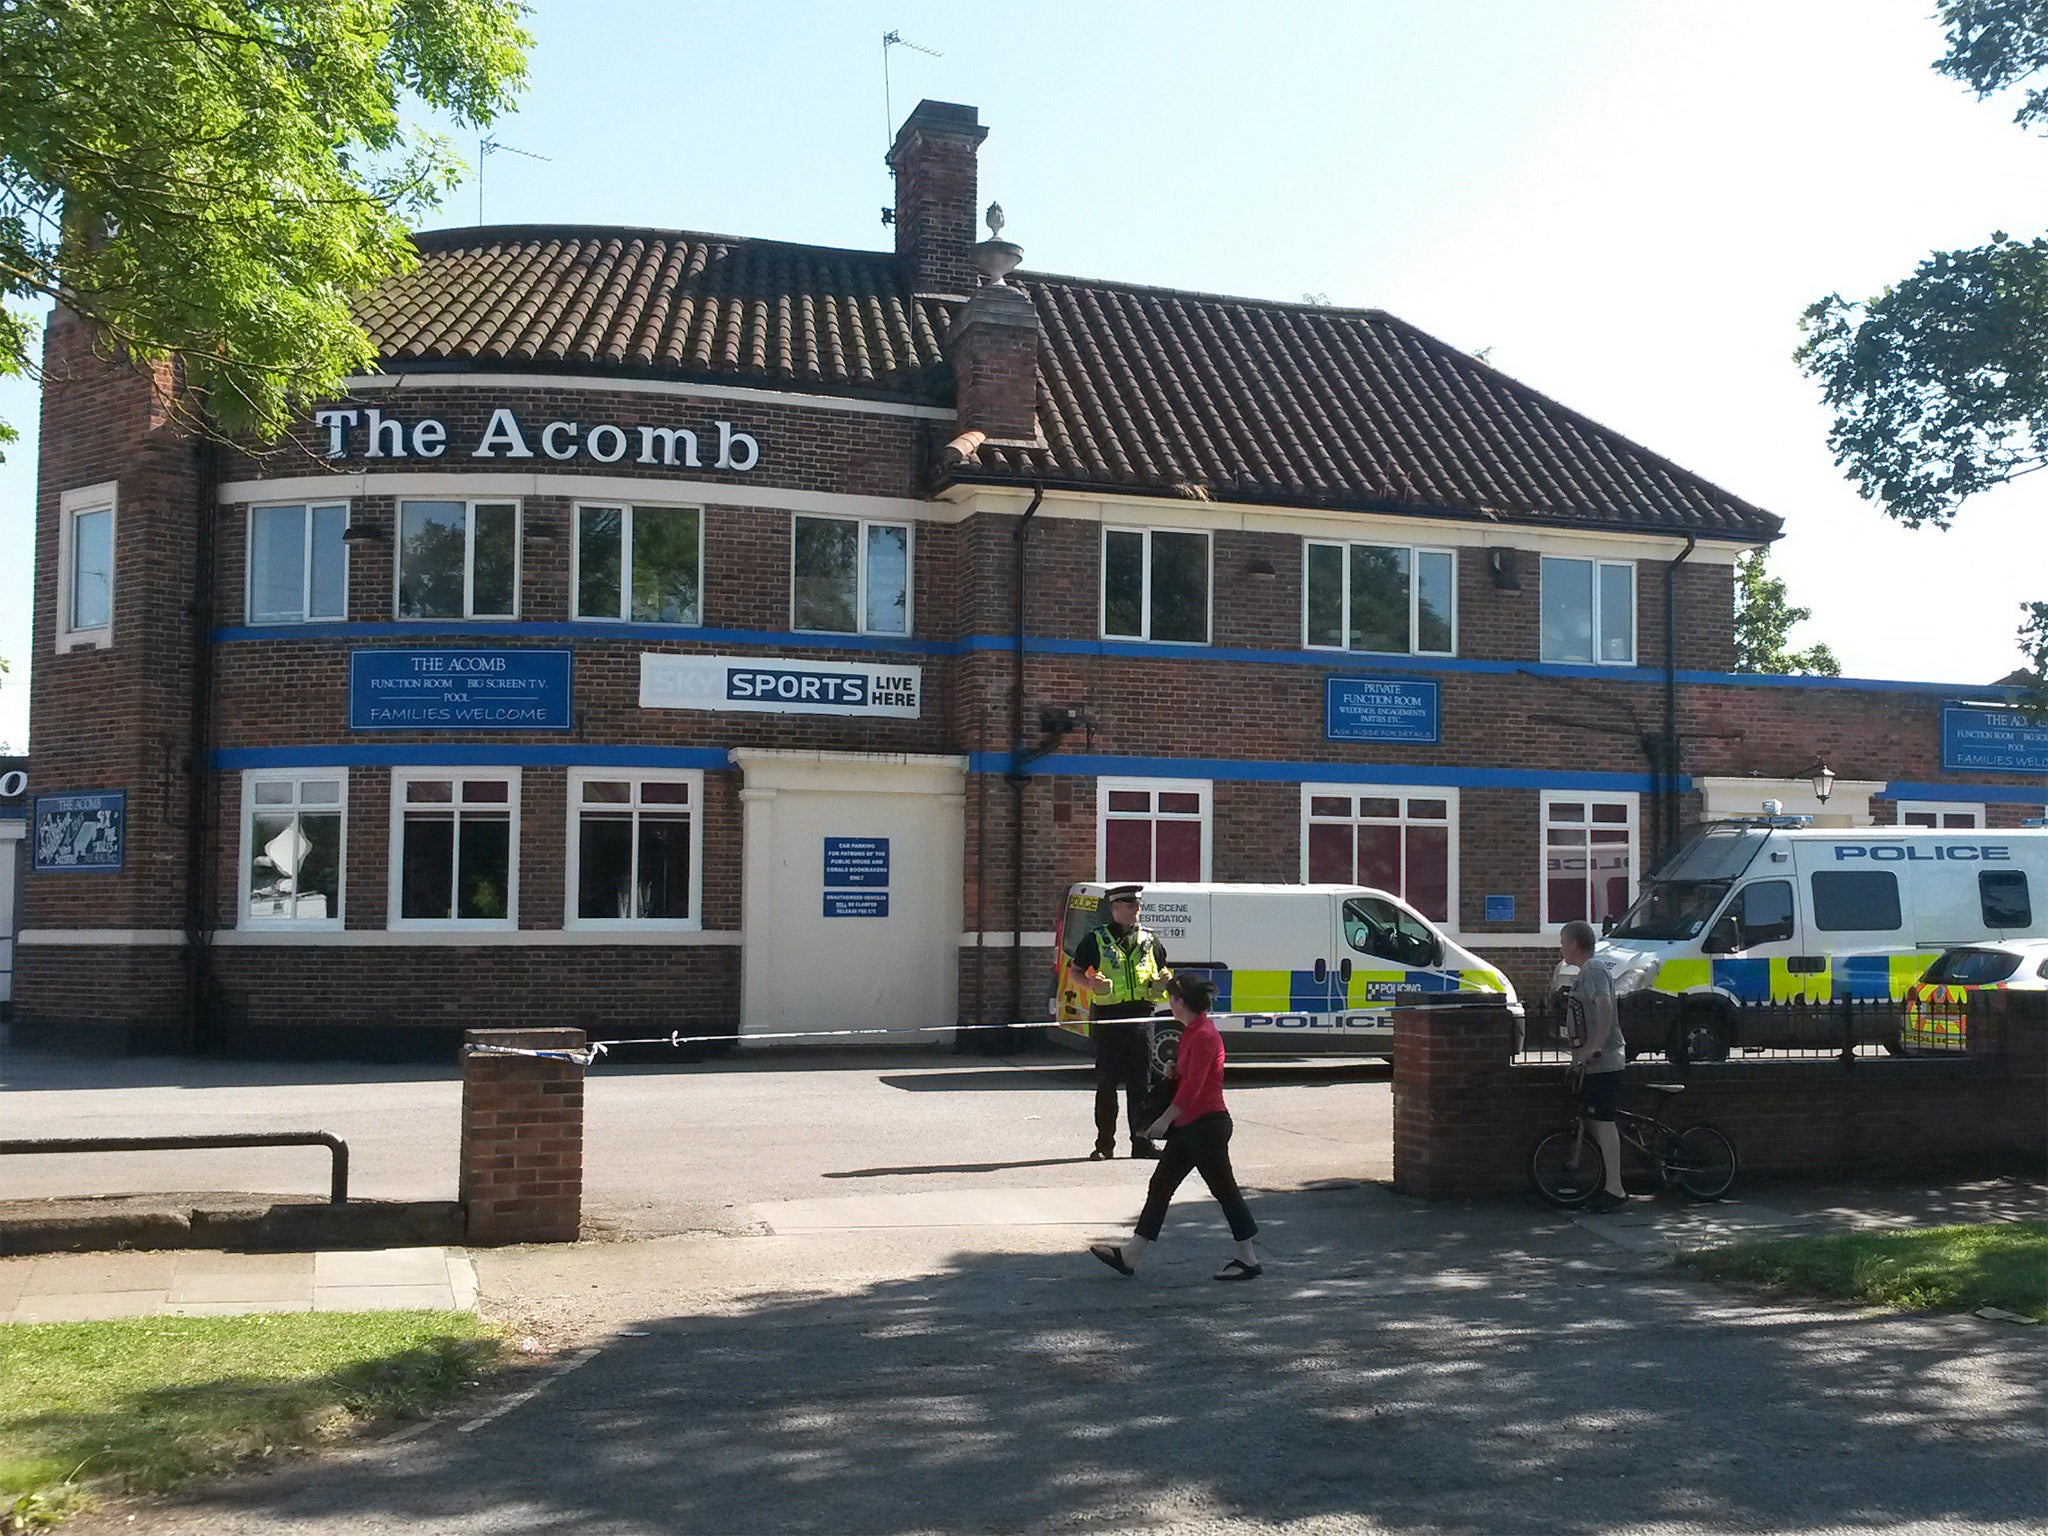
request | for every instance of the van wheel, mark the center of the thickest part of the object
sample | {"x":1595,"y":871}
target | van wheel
{"x":1165,"y":1048}
{"x":1701,"y":1034}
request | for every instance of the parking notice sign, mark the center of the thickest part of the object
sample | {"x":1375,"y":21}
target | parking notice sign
{"x":856,"y":877}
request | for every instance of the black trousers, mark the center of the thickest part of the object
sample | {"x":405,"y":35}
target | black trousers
{"x":1201,"y":1146}
{"x":1123,"y":1059}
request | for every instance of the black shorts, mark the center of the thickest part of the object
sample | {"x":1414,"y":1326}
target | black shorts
{"x":1599,"y":1094}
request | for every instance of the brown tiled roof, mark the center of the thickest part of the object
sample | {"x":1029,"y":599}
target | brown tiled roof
{"x":656,"y":302}
{"x":1140,"y":389}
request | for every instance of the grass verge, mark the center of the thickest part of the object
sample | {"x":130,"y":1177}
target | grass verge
{"x":143,"y":1404}
{"x":1930,"y":1269}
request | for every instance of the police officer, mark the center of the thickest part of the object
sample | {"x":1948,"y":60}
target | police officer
{"x":1124,"y":969}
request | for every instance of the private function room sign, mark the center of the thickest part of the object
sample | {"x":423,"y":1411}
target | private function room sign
{"x":759,"y":685}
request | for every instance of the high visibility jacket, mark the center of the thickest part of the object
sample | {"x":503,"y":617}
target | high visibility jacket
{"x":1131,"y":966}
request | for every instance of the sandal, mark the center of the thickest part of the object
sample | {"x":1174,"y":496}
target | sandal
{"x":1113,"y":1256}
{"x":1236,"y":1269}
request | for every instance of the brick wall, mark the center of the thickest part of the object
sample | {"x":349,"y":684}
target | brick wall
{"x":521,"y":1175}
{"x":1466,"y":1117}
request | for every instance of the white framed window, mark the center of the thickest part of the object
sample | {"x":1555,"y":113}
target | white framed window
{"x":1155,"y":585}
{"x":85,"y":561}
{"x":1939,"y":813}
{"x":458,"y":560}
{"x":454,"y":848}
{"x":849,"y":576}
{"x":298,"y":563}
{"x":1396,"y":838}
{"x":294,"y":848}
{"x":1589,"y":611}
{"x":1589,"y":856}
{"x":639,"y":564}
{"x":1152,"y":829}
{"x":636,"y":850}
{"x":1387,"y":599}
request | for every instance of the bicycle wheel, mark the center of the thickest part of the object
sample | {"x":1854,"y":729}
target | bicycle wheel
{"x":1705,"y":1165}
{"x":1566,"y":1167}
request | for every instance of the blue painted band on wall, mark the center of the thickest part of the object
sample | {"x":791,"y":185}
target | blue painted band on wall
{"x":467,"y":755}
{"x":1990,"y":794}
{"x":788,"y":640}
{"x":1316,"y":773}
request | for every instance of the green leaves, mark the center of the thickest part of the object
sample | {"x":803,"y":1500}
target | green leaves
{"x":1996,"y":43}
{"x":214,"y":182}
{"x":1763,"y":620}
{"x":1939,"y":384}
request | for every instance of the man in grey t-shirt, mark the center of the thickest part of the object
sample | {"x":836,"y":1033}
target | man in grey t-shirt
{"x":1598,"y":1053}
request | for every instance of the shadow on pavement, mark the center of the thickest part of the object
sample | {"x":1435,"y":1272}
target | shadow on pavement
{"x":1028,"y":1162}
{"x":1400,"y":1367}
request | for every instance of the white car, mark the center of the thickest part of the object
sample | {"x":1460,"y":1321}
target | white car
{"x":1936,"y":1004}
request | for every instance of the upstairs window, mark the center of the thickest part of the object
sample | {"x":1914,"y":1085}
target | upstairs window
{"x":1931,"y":813}
{"x":85,"y":557}
{"x":1381,"y":598}
{"x":1155,"y":585}
{"x":639,"y":563}
{"x":850,"y":577}
{"x":458,"y":560}
{"x":298,"y":563}
{"x":1589,"y":611}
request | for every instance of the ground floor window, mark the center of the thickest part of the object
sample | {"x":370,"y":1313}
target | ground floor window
{"x":1151,"y":829}
{"x":455,"y":847}
{"x":1398,"y":840}
{"x":1589,"y":856}
{"x":1939,"y":813}
{"x":636,"y":842}
{"x":292,"y":849}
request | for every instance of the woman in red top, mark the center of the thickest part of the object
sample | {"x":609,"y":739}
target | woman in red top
{"x":1197,"y":1131}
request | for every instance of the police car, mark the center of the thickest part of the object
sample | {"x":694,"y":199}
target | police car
{"x":1937,"y":1004}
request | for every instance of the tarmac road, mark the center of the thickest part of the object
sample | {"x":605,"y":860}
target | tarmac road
{"x":1399,"y":1368}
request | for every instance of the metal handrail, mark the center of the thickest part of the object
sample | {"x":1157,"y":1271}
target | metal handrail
{"x":338,"y":1184}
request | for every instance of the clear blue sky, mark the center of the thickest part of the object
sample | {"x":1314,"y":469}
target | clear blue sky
{"x":1629,"y":204}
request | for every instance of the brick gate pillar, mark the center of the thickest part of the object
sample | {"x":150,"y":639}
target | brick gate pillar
{"x":522,"y":1138}
{"x":1451,"y":1134}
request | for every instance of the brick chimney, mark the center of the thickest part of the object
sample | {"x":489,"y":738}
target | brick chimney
{"x":933,"y":159}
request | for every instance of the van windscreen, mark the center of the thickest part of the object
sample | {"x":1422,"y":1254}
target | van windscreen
{"x":1720,"y":853}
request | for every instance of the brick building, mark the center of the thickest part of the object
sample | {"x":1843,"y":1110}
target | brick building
{"x":684,"y":632}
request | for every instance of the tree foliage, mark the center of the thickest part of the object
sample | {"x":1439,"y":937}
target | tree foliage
{"x":1763,"y":621}
{"x":212,"y":181}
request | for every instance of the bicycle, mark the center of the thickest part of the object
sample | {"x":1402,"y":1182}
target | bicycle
{"x":1566,"y":1166}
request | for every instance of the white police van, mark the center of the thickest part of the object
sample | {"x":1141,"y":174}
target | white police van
{"x":1773,"y":910}
{"x":1299,"y":969}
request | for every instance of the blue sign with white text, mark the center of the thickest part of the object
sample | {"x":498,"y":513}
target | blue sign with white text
{"x":1381,"y":709}
{"x":1500,"y":909}
{"x":856,"y":861}
{"x":458,"y":690}
{"x":856,"y":903}
{"x":80,"y":833}
{"x":2001,"y":740}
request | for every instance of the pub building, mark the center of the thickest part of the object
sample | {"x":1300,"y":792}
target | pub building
{"x":690,"y":633}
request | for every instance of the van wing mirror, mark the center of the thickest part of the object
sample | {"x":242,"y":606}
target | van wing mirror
{"x":1436,"y":953}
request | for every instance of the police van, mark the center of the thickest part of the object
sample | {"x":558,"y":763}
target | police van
{"x":1299,"y":969}
{"x":1774,"y":910}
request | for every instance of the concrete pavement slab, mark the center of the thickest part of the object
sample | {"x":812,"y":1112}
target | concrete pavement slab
{"x":287,"y":1285}
{"x":381,"y":1266}
{"x":87,"y":1307}
{"x":69,"y":1274}
{"x":383,"y":1298}
{"x":956,"y":1208}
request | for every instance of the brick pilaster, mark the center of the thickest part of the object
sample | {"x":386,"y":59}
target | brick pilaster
{"x":1449,"y":1134}
{"x":522,"y":1139}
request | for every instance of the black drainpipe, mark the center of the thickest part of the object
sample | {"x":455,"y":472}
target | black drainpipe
{"x":1668,"y":787}
{"x":1018,"y":777}
{"x":199,"y":767}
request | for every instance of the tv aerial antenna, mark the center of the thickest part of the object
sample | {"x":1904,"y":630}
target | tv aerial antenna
{"x":485,"y":148}
{"x":893,"y":39}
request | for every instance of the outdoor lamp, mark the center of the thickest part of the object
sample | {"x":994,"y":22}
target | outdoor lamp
{"x":361,"y":533}
{"x":1823,"y":781}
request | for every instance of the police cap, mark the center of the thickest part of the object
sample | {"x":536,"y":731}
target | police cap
{"x":1123,"y":893}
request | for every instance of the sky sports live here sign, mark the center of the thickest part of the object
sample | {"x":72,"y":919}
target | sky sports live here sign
{"x":458,"y":690}
{"x":771,"y":685}
{"x":2000,"y":740}
{"x":1381,"y":709}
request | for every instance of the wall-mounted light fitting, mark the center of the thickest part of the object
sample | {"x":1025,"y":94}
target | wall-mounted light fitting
{"x":1506,"y":576}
